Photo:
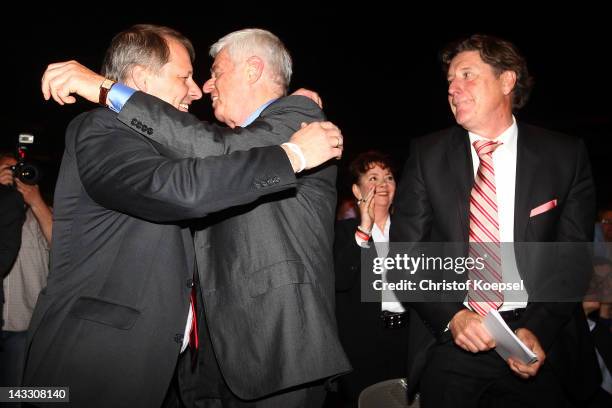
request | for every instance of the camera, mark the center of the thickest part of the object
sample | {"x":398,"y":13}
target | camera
{"x":24,"y":171}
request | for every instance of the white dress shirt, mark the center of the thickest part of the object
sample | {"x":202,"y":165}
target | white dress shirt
{"x":381,"y":243}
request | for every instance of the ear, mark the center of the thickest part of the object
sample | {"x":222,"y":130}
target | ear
{"x":254,"y":69}
{"x":508,"y":79}
{"x":139,"y":76}
{"x":357,"y":192}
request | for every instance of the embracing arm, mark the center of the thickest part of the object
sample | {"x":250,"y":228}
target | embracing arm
{"x":195,"y":138}
{"x":122,"y":171}
{"x":163,"y":123}
{"x":61,"y":80}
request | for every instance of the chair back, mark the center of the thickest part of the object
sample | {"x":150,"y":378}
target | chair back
{"x":386,"y":394}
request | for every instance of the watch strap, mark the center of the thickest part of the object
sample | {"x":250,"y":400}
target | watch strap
{"x":106,"y":86}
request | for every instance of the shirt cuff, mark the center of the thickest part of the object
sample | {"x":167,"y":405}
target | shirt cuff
{"x":362,"y":243}
{"x":118,"y":96}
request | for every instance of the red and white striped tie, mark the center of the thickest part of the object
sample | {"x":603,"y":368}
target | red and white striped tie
{"x":484,"y":231}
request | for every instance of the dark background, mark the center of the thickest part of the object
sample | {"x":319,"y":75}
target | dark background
{"x":376,"y":67}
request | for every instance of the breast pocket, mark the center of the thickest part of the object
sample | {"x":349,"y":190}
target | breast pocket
{"x":276,"y":276}
{"x":105,"y":312}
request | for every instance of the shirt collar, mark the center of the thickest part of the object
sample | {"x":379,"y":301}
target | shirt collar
{"x":256,"y":114}
{"x":507,"y":137}
{"x":381,"y":234}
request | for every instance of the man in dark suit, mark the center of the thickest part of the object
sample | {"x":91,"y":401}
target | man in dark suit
{"x":266,"y":269}
{"x":116,"y":311}
{"x":538,"y":189}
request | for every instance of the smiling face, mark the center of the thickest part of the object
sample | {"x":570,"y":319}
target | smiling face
{"x":174,"y":82}
{"x":380,"y":178}
{"x":480,"y":99}
{"x":228,"y":87}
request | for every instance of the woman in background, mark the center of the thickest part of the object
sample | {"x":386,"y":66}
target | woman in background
{"x":374,"y":335}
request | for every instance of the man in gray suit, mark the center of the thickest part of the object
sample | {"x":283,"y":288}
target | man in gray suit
{"x":114,"y":316}
{"x":266,"y":269}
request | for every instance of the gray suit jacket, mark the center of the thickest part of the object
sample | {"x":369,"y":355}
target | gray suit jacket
{"x":266,"y":269}
{"x":111,"y":320}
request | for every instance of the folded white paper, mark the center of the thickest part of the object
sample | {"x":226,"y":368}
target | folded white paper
{"x":506,"y":342}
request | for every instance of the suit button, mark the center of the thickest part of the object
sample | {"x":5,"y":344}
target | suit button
{"x":190,"y":283}
{"x":178,"y":338}
{"x":138,"y":125}
{"x":134,"y":121}
{"x":150,"y":131}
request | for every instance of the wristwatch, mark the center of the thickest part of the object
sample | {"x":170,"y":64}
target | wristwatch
{"x":104,"y":88}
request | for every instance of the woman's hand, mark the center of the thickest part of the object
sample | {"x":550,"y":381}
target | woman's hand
{"x":366,"y":209}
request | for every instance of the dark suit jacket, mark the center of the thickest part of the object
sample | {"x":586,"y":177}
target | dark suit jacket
{"x":111,"y":320}
{"x":266,"y":269}
{"x":602,"y":338}
{"x":12,"y":215}
{"x":432,"y":206}
{"x":376,"y":353}
{"x":354,"y":316}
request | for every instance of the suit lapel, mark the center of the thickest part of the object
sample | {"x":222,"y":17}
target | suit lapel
{"x":526,"y":176}
{"x":460,"y":162}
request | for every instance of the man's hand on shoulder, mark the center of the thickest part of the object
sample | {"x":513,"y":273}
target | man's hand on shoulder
{"x":62,"y":79}
{"x":318,"y":142}
{"x":310,"y":94}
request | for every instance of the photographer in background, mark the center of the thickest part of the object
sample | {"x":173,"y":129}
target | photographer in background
{"x":28,"y":274}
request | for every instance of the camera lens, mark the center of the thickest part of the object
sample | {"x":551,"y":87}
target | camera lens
{"x":25,"y":172}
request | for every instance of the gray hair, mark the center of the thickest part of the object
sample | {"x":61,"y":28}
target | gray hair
{"x":255,"y":41}
{"x":141,"y":44}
